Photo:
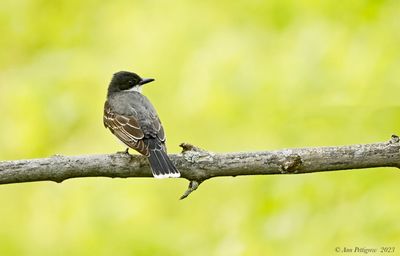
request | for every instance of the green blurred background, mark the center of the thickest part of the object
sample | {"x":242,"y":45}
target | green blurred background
{"x":230,"y":76}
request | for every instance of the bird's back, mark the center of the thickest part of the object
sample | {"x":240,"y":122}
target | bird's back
{"x":138,"y":106}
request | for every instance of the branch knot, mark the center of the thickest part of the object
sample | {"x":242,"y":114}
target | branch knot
{"x":394,"y":139}
{"x":291,"y":164}
{"x":195,"y":154}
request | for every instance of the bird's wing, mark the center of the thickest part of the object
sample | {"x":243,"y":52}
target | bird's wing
{"x":127,"y":129}
{"x":158,"y":128}
{"x":160,"y":132}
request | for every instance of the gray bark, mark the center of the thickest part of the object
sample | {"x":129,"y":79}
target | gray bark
{"x":198,"y":165}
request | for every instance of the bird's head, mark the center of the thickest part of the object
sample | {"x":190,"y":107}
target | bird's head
{"x":127,"y":81}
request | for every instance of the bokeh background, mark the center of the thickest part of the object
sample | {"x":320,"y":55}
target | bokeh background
{"x":230,"y":76}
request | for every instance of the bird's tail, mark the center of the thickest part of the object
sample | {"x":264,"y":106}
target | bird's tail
{"x":161,"y":165}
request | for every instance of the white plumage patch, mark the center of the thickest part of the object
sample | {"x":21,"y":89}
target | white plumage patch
{"x":136,"y":88}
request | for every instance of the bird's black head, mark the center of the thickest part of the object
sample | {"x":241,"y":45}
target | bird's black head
{"x":124,"y":80}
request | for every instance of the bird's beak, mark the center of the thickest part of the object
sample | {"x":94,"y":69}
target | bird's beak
{"x":145,"y":81}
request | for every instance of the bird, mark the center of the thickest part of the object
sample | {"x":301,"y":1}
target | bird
{"x":131,"y":117}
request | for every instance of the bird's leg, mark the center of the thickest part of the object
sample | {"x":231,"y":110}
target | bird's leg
{"x":126,"y":152}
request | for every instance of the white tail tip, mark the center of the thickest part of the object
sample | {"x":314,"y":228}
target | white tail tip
{"x":168,"y":175}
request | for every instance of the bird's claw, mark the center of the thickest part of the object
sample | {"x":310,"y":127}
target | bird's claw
{"x":125,"y":152}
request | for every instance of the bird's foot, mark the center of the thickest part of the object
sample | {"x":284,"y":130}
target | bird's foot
{"x":125,"y":152}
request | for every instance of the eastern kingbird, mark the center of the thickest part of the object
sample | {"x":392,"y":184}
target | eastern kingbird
{"x":133,"y":120}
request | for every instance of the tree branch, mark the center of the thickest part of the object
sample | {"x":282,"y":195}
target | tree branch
{"x":198,"y":165}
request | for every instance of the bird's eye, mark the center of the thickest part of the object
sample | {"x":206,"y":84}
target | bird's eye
{"x":130,"y":82}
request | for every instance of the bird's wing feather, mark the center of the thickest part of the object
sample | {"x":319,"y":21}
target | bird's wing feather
{"x":127,"y":129}
{"x":154,"y":129}
{"x":158,"y":128}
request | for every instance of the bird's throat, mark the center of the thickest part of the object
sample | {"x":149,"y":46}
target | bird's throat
{"x":137,"y":88}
